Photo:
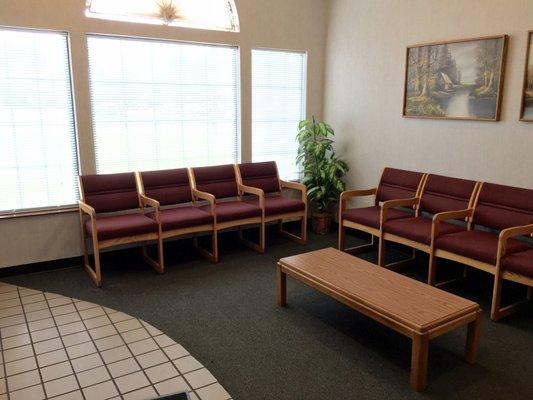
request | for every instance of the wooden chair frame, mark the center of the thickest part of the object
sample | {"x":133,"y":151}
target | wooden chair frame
{"x":239,"y":223}
{"x":413,"y":202}
{"x":194,"y":230}
{"x":497,"y":312}
{"x":374,"y":233}
{"x":85,"y":210}
{"x":280,"y":218}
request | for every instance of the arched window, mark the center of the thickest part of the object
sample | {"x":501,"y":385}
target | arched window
{"x":201,"y":14}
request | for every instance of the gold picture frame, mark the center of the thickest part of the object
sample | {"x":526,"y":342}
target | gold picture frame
{"x":526,"y":108}
{"x":456,"y":79}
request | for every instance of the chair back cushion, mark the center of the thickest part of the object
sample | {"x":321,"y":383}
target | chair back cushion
{"x":170,"y":186}
{"x":397,"y":184}
{"x":218,"y":180}
{"x":502,"y":207}
{"x":110,"y":192}
{"x":262,"y":175}
{"x":442,"y":193}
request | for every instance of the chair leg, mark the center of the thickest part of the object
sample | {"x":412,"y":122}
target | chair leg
{"x":496,"y":299}
{"x":260,"y":246}
{"x":432,"y":271}
{"x":381,"y":252}
{"x":95,"y":274}
{"x":158,"y":266}
{"x":213,"y":255}
{"x":341,"y":236}
{"x":302,"y":239}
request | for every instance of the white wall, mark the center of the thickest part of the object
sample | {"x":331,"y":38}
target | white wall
{"x":364,"y":90}
{"x":294,"y":24}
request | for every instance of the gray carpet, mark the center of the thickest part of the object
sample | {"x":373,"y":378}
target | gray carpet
{"x":317,"y":348}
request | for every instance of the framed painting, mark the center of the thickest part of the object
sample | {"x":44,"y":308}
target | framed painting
{"x":460,"y":79}
{"x":526,"y":111}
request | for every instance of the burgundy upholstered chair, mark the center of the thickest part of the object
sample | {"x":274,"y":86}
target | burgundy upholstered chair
{"x":277,"y":207}
{"x":439,"y":194}
{"x":179,"y":216}
{"x":110,"y":216}
{"x":218,"y":185}
{"x":504,"y":209}
{"x":395,"y":184}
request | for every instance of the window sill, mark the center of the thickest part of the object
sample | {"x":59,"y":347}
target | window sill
{"x":37,"y":212}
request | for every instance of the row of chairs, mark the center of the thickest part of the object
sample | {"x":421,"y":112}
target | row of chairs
{"x":481,"y":225}
{"x":139,"y":207}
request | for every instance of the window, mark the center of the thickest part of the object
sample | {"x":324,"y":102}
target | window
{"x":38,"y":160}
{"x":162,"y":104}
{"x":203,"y":14}
{"x":278,"y":105}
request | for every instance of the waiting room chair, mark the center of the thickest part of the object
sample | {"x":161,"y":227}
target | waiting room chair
{"x":439,"y":194}
{"x":110,"y":216}
{"x":218,"y":186}
{"x":179,"y":215}
{"x":277,"y":206}
{"x":502,"y":212}
{"x":394,"y":184}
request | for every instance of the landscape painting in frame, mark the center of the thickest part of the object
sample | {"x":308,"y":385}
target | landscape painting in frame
{"x":460,"y":79}
{"x":527,"y":97}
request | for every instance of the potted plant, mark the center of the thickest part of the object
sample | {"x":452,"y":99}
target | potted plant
{"x":322,"y":171}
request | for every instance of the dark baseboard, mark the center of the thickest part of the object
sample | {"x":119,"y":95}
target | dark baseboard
{"x":41,"y":266}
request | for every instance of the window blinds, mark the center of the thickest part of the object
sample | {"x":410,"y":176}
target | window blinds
{"x":278,"y":105}
{"x":38,"y":160}
{"x":162,"y":104}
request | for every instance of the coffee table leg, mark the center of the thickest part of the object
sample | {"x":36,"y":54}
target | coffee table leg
{"x":472,"y":339}
{"x":281,"y":283}
{"x":419,"y":362}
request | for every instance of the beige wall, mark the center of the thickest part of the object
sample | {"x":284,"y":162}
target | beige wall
{"x":294,"y":24}
{"x":364,"y":90}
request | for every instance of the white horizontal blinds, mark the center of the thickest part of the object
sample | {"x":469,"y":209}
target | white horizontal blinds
{"x":278,"y":105}
{"x":162,"y":104}
{"x":38,"y":160}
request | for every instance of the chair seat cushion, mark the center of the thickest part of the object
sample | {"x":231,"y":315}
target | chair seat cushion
{"x":418,"y":228}
{"x":275,"y":205}
{"x":183,"y":217}
{"x":370,"y":216}
{"x":234,"y":210}
{"x":520,"y":263}
{"x":479,"y":245}
{"x":116,"y":226}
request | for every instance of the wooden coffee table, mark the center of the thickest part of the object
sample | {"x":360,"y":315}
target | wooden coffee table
{"x":418,"y":311}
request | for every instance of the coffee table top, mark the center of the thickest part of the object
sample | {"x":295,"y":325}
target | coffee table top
{"x":409,"y":302}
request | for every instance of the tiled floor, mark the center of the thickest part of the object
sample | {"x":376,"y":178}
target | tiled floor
{"x":55,"y":347}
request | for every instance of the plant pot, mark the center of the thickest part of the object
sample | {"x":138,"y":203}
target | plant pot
{"x":321,"y":223}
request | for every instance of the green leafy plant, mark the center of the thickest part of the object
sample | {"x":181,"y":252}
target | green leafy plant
{"x":323,"y":172}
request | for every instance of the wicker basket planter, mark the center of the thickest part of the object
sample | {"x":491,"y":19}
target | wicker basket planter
{"x":321,"y":223}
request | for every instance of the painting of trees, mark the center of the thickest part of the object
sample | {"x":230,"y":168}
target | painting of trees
{"x":458,"y":79}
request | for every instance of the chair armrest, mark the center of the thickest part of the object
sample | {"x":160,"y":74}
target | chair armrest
{"x":358,"y":193}
{"x":255,"y":191}
{"x":148,"y":201}
{"x":198,"y":194}
{"x":447,"y":215}
{"x":295,"y":186}
{"x":251,"y":190}
{"x":508,"y":233}
{"x":460,"y":214}
{"x":410,"y":202}
{"x":87,"y":209}
{"x":354,"y":193}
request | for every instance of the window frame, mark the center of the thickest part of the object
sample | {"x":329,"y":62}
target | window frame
{"x":238,"y":117}
{"x":45,"y":210}
{"x":305,"y":90}
{"x":139,"y":19}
